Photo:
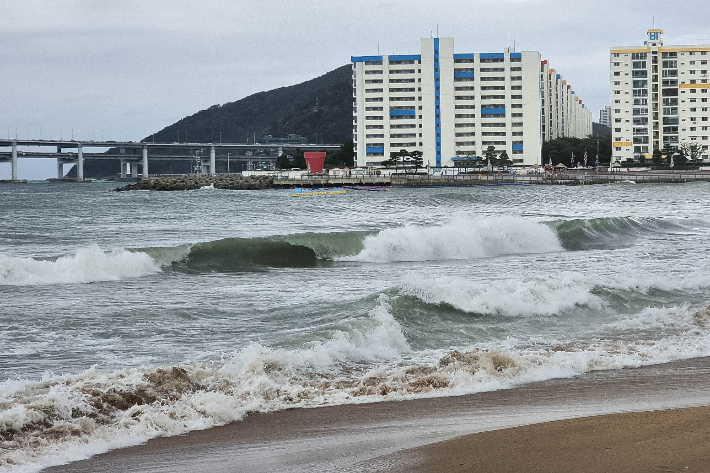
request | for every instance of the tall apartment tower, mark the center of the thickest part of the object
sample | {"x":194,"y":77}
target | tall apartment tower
{"x":659,"y":97}
{"x":450,"y":105}
{"x":605,"y":116}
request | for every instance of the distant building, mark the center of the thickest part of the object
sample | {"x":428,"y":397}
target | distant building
{"x":605,"y":116}
{"x":659,"y":97}
{"x":451,"y":105}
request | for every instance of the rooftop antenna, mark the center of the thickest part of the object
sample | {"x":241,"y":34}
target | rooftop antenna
{"x":437,"y":30}
{"x":378,"y":49}
{"x":654,"y":22}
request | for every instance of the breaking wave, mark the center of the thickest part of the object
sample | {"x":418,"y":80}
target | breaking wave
{"x":608,"y":233}
{"x":289,"y":251}
{"x":460,"y":239}
{"x":512,"y":297}
{"x":463,"y":238}
{"x":65,"y":418}
{"x":87,"y":265}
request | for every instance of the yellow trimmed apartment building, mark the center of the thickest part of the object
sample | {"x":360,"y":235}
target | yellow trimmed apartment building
{"x":659,"y":97}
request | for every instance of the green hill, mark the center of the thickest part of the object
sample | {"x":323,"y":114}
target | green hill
{"x":319,"y":109}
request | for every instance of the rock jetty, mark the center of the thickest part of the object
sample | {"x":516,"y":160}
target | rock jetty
{"x":182,"y":183}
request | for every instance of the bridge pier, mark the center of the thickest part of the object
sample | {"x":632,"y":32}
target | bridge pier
{"x":123,"y":169}
{"x":80,"y":163}
{"x":213,"y":170}
{"x":14,"y":160}
{"x":60,"y":168}
{"x":145,"y":162}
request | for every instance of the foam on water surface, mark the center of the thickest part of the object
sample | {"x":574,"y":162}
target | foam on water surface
{"x":64,"y":418}
{"x":87,"y":265}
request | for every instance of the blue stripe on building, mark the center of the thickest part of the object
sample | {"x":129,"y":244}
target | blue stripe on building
{"x":365,"y":58}
{"x":464,"y":56}
{"x":463,"y":74}
{"x":517,"y":147}
{"x":402,"y":112}
{"x":516,"y":55}
{"x":405,"y":57}
{"x":437,"y":97}
{"x":492,"y":55}
{"x":488,"y":111}
{"x":378,"y":149}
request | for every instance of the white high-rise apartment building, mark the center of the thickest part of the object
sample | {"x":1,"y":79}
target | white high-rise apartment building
{"x":605,"y":116}
{"x":450,"y":106}
{"x":659,"y":97}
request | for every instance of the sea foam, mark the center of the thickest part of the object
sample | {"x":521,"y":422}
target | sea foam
{"x":512,"y":297}
{"x":462,"y":238}
{"x":64,"y":418}
{"x":87,"y":265}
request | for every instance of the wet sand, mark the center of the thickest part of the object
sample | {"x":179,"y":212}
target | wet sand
{"x":416,"y":435}
{"x":668,"y":440}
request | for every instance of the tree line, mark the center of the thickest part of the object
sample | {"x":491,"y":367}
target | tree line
{"x":570,"y":151}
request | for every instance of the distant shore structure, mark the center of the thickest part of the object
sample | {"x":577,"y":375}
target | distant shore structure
{"x":453,"y":106}
{"x":659,"y":98}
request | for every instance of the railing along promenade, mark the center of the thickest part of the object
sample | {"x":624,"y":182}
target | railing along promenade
{"x":438,"y":180}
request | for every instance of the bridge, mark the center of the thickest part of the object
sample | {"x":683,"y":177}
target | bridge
{"x":73,"y":152}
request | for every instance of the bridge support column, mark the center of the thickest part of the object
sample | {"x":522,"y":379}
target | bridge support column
{"x":123,"y":169}
{"x":145,"y":162}
{"x":80,"y":163}
{"x":134,"y":169}
{"x":213,"y":168}
{"x":14,"y":160}
{"x":60,"y":168}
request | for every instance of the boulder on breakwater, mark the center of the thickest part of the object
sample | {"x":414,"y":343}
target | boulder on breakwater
{"x":182,"y":183}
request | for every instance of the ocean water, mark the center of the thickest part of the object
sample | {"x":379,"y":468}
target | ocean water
{"x":126,"y":316}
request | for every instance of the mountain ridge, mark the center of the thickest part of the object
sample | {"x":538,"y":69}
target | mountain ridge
{"x":319,"y":109}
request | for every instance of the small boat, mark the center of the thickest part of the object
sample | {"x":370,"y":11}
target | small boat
{"x":299,"y":191}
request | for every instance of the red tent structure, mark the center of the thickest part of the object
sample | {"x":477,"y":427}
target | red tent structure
{"x":314,"y":160}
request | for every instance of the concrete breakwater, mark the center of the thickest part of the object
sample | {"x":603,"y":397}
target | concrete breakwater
{"x":181,"y":183}
{"x":236,"y":182}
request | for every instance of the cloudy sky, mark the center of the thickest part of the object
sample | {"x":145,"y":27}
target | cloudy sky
{"x":123,"y":69}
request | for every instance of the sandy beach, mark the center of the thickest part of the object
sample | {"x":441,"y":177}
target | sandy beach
{"x":667,"y":440}
{"x":654,"y":427}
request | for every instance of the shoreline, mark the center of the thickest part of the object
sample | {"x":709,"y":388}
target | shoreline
{"x":381,"y":436}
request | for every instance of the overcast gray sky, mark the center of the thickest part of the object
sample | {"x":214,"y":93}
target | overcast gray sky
{"x":124,"y":69}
